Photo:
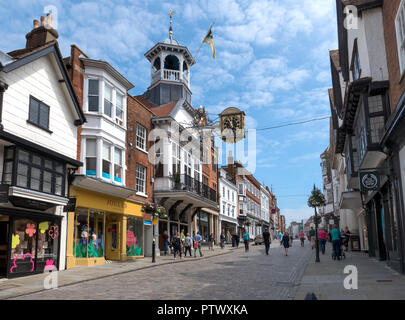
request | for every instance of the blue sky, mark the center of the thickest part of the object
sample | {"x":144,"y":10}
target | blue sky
{"x":272,"y":61}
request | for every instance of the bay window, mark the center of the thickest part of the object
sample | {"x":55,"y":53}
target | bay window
{"x":33,"y":171}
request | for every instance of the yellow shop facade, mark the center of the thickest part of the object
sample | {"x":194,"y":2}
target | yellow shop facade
{"x":103,"y":227}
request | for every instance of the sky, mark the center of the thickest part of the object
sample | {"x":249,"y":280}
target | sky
{"x":272,"y":62}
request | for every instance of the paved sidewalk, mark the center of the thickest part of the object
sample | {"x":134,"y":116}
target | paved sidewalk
{"x":11,"y":288}
{"x":376,"y":281}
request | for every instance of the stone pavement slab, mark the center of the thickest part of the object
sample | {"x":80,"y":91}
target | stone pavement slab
{"x":325,"y":279}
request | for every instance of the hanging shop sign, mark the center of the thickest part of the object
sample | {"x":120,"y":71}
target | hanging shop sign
{"x":4,"y":193}
{"x":369,"y":181}
{"x":71,"y":205}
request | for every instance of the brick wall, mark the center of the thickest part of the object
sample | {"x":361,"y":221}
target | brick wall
{"x":397,"y":85}
{"x":137,"y":113}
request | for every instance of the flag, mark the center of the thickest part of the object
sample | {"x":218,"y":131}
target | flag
{"x":210,"y":40}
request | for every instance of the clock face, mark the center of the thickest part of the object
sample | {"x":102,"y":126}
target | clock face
{"x":232,"y":123}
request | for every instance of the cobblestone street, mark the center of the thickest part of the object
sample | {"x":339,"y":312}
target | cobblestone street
{"x":239,"y":275}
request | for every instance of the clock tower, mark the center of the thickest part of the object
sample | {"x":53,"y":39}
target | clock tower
{"x":170,"y":71}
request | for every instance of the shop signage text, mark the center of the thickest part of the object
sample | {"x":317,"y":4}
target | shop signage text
{"x":369,"y":181}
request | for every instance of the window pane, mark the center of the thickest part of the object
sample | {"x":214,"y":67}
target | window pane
{"x":36,"y":160}
{"x":91,"y":166}
{"x":108,"y":93}
{"x":375,"y":104}
{"x":58,"y":167}
{"x":48,"y":164}
{"x":93,"y":87}
{"x":93,"y":103}
{"x":117,"y":165}
{"x":107,"y":108}
{"x":140,"y":137}
{"x":140,"y":178}
{"x":91,"y":148}
{"x":117,"y":156}
{"x":34,"y":110}
{"x":106,"y":151}
{"x":47,"y":182}
{"x":43,"y":116}
{"x":22,"y":173}
{"x":81,"y":234}
{"x":23,"y":156}
{"x":58,"y":185}
{"x":106,"y":169}
{"x":35,"y":178}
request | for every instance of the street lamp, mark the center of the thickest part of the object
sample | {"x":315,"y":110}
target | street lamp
{"x":316,"y":200}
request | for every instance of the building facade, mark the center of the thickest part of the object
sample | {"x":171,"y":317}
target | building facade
{"x":39,"y":116}
{"x":228,"y":204}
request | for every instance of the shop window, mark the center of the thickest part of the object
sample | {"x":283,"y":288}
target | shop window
{"x":106,"y":161}
{"x":134,"y":236}
{"x":23,"y":246}
{"x":108,"y":100}
{"x":93,"y":95}
{"x":48,"y":244}
{"x":89,"y":234}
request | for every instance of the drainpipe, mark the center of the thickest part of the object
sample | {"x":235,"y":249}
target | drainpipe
{"x":3,"y":88}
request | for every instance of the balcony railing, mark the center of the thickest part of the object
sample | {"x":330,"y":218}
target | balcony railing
{"x":171,"y":75}
{"x":193,"y":185}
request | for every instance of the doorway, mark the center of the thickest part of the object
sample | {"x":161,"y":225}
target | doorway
{"x":112,"y":238}
{"x":162,"y":229}
{"x":4,"y":239}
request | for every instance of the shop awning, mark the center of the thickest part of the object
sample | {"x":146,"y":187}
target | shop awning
{"x":351,"y":200}
{"x":213,"y":212}
{"x":97,"y":185}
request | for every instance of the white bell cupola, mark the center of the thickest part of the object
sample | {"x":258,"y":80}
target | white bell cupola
{"x":170,"y":71}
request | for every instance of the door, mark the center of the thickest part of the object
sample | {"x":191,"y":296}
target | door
{"x":4,"y":238}
{"x":112,"y":238}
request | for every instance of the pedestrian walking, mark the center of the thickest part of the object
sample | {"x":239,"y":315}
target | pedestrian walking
{"x":176,"y":243}
{"x":267,"y":240}
{"x":336,"y":235}
{"x":291,"y":240}
{"x":165,"y":242}
{"x":188,"y":242}
{"x":322,"y":235}
{"x":346,"y":240}
{"x":245,"y":236}
{"x":183,"y":239}
{"x":285,"y":240}
{"x":222,"y":238}
{"x":312,"y":235}
{"x":211,"y":242}
{"x":237,"y":240}
{"x":197,"y":244}
{"x":302,"y":238}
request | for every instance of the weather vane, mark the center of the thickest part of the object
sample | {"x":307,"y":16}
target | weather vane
{"x":171,"y":13}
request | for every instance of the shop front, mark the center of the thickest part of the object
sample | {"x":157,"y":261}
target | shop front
{"x":228,"y":228}
{"x":103,"y":227}
{"x":29,"y":242}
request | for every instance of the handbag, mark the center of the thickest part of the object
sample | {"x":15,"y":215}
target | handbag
{"x":195,"y":246}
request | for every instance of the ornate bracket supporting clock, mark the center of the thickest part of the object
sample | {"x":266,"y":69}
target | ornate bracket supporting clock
{"x":232,"y":125}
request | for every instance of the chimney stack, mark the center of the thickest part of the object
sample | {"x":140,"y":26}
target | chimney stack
{"x":42,"y":33}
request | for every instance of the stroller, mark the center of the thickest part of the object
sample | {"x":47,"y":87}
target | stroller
{"x":342,"y":251}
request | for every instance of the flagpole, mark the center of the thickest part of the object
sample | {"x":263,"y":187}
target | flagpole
{"x":202,"y":42}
